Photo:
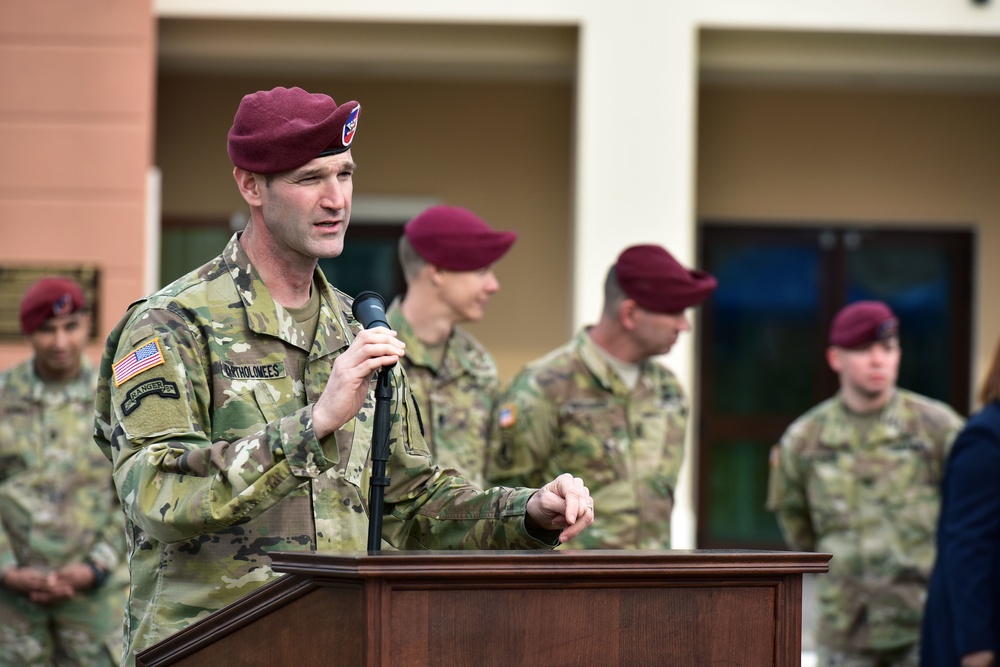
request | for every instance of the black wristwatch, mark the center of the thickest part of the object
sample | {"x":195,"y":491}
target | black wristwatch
{"x":100,"y":574}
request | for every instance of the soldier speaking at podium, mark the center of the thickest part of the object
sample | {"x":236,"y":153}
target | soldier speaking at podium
{"x":235,"y":403}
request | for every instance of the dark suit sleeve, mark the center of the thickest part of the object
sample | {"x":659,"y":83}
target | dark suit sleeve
{"x":970,"y":541}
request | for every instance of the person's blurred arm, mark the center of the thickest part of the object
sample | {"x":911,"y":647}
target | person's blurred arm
{"x":970,"y":539}
{"x":786,"y":497}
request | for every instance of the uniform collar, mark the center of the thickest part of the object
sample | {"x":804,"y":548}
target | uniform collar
{"x":453,"y":362}
{"x":267,"y":317}
{"x":888,"y":426}
{"x":81,"y":387}
{"x":599,"y":367}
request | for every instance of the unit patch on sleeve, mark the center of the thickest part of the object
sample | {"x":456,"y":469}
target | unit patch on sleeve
{"x":158,"y":386}
{"x":507,"y":415}
{"x":138,"y":360}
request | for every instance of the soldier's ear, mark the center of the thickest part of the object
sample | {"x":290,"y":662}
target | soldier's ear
{"x":435,"y":274}
{"x":249,"y":185}
{"x":626,"y":314}
{"x":833,"y":359}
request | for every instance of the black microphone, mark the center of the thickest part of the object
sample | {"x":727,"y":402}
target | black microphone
{"x":369,"y":309}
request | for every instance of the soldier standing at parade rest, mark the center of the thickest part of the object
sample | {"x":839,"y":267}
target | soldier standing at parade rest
{"x":229,"y":400}
{"x":61,"y":538}
{"x":858,"y":476}
{"x":602,"y":408}
{"x":447,"y":254}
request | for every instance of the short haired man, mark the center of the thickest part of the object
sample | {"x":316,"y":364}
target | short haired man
{"x":602,"y":408}
{"x":447,"y":254}
{"x":61,"y":533}
{"x":229,"y":400}
{"x":858,"y":477}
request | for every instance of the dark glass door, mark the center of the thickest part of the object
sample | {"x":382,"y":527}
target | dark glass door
{"x":763,"y":335}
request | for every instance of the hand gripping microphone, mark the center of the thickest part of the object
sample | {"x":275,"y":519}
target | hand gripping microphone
{"x":369,"y":309}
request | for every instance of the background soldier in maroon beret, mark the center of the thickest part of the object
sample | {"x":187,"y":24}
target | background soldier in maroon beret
{"x":603,"y":409}
{"x":447,"y":254}
{"x":61,"y":536}
{"x":858,"y":476}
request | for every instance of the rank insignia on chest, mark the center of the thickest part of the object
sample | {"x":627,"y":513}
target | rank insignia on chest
{"x":507,"y":415}
{"x":138,"y":360}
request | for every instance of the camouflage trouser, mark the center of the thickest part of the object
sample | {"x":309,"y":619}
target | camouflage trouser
{"x":85,"y":631}
{"x":908,"y":656}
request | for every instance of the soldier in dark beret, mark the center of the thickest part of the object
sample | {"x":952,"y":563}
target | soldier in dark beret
{"x":61,"y":540}
{"x":602,"y":408}
{"x":447,"y":254}
{"x":236,"y":403}
{"x":858,"y":476}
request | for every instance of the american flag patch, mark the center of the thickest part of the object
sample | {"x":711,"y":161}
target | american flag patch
{"x":137,"y":361}
{"x":507,"y":415}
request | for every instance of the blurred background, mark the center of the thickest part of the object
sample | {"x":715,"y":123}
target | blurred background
{"x":808,"y":154}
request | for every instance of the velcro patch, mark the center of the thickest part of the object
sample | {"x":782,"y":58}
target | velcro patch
{"x":159,"y":386}
{"x":507,"y":415}
{"x":252,"y":371}
{"x":137,"y":361}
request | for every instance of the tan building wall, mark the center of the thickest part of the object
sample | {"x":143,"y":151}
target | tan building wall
{"x":859,"y":157}
{"x":75,"y":126}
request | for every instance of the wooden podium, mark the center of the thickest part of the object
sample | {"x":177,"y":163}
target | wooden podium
{"x":510,"y":609}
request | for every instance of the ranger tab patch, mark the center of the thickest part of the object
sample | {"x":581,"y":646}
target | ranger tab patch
{"x":157,"y":386}
{"x":138,"y":360}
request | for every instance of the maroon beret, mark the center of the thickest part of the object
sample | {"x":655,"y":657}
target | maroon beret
{"x":49,"y":297}
{"x":650,"y":276}
{"x":456,"y":239}
{"x":863,"y":322}
{"x":284,"y":128}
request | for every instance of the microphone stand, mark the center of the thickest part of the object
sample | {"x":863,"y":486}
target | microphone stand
{"x":380,"y":456}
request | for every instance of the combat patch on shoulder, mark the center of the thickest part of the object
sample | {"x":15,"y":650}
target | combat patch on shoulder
{"x":507,"y":415}
{"x":505,"y":453}
{"x":159,"y":386}
{"x":137,"y":361}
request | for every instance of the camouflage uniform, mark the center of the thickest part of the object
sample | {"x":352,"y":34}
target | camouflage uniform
{"x":456,"y":400}
{"x":217,"y":463}
{"x":570,"y":412}
{"x":872,"y":501}
{"x":57,"y":506}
